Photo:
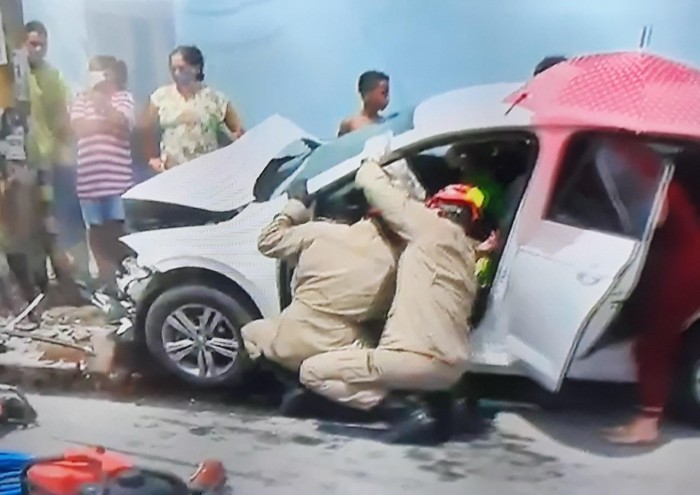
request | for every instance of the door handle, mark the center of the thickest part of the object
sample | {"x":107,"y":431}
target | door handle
{"x":585,"y":278}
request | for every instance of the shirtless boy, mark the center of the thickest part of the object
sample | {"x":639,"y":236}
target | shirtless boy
{"x":374,"y":90}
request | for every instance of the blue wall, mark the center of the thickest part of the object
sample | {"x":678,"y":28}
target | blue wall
{"x":301,"y":58}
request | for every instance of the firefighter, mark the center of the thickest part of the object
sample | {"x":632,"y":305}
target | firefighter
{"x":344,"y":279}
{"x":424,"y":345}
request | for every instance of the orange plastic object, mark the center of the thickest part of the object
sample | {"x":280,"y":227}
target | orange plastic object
{"x":209,"y":477}
{"x":65,"y":475}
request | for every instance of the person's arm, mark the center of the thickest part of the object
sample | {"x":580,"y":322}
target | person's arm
{"x":82,"y":127}
{"x":119,"y":114}
{"x":233,"y":122}
{"x":291,"y":232}
{"x":403,"y":215}
{"x":61,"y":114}
{"x":151,"y":147}
{"x":124,"y":106}
{"x":345,"y":127}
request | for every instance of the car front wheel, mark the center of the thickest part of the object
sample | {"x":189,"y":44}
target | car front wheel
{"x":194,"y":331}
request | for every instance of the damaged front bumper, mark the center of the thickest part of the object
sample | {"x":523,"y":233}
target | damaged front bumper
{"x":132,"y":281}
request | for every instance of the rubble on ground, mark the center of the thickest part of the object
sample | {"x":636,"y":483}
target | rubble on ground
{"x":84,"y":326}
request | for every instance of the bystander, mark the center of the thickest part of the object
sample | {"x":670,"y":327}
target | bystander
{"x":102,"y":118}
{"x":373,"y":87}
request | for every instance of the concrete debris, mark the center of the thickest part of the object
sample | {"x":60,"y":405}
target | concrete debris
{"x":80,"y":326}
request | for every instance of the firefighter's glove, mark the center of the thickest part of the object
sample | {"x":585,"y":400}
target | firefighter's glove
{"x":296,"y":211}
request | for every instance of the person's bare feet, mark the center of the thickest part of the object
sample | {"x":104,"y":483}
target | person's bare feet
{"x":642,"y":430}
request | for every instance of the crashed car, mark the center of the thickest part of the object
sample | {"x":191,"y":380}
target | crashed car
{"x":562,"y":271}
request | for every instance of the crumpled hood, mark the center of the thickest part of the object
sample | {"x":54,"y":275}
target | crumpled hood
{"x":222,"y":180}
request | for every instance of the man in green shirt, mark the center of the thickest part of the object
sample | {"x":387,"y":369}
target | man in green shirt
{"x":494,"y":205}
{"x":49,"y":124}
{"x":47,"y":144}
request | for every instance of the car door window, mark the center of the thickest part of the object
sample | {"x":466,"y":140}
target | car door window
{"x":604,"y":187}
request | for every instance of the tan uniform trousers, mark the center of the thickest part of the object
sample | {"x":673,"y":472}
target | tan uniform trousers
{"x":297,"y":334}
{"x":361,"y":378}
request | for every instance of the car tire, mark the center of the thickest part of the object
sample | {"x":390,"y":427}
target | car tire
{"x":685,"y":402}
{"x":227,"y":316}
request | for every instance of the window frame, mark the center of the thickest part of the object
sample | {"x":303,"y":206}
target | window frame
{"x":559,"y":181}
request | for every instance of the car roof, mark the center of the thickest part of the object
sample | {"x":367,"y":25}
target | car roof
{"x":465,"y":109}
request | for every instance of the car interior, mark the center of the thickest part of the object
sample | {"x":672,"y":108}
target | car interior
{"x":508,"y":157}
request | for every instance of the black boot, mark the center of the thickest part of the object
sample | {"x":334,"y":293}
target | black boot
{"x":415,"y":427}
{"x":427,"y":424}
{"x":393,"y":408}
{"x":289,"y":379}
{"x":471,"y":419}
{"x":442,"y":409}
{"x":300,"y":403}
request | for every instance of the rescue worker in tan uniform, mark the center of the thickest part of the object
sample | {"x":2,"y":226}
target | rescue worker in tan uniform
{"x":345,"y":278}
{"x":424,"y":345}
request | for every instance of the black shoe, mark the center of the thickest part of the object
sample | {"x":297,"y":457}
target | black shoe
{"x":298,"y":403}
{"x":289,"y":379}
{"x":393,"y":409}
{"x":301,"y":403}
{"x":417,"y":428}
{"x":441,"y":407}
{"x":471,"y":419}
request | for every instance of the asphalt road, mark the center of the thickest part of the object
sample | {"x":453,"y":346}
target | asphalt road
{"x":526,"y":451}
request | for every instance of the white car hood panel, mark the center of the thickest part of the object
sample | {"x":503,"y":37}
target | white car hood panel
{"x":222,"y":180}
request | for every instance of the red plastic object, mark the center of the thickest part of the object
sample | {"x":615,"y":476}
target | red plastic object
{"x":67,"y":474}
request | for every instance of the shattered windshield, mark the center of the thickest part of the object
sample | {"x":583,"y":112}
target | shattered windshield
{"x":281,"y":168}
{"x":335,"y":152}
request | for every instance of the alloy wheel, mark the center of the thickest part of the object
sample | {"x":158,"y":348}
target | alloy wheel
{"x":200,"y":340}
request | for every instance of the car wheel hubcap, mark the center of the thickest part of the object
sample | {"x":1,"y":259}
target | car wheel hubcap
{"x":200,"y":341}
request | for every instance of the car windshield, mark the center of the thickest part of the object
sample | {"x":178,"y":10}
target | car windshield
{"x":339,"y":150}
{"x":280,"y":168}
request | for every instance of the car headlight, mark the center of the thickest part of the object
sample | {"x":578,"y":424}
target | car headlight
{"x":132,"y":278}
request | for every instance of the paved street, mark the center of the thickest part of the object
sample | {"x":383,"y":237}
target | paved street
{"x":526,"y":452}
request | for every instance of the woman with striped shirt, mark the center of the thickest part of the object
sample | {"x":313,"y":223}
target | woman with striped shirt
{"x":102,"y":119}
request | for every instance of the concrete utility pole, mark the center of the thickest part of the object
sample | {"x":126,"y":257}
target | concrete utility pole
{"x":13,"y":26}
{"x":13,"y":34}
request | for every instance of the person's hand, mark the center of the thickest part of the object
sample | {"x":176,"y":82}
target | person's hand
{"x":156,"y":164}
{"x":101,"y":101}
{"x":296,"y":211}
{"x":298,"y":190}
{"x":490,"y":244}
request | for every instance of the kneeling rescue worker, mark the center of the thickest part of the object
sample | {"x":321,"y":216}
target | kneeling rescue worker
{"x":345,"y":278}
{"x":424,"y":345}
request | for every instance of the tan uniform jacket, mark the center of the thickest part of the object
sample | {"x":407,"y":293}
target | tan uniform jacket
{"x":342,"y":270}
{"x":436,"y":281}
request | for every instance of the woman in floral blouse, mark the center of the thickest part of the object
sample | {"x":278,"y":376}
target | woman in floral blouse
{"x":189,"y":113}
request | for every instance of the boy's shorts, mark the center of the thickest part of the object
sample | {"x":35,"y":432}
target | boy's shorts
{"x":102,"y":210}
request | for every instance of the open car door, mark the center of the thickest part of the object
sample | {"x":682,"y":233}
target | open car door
{"x":585,"y":256}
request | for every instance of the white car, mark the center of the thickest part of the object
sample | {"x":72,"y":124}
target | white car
{"x":196,"y":277}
